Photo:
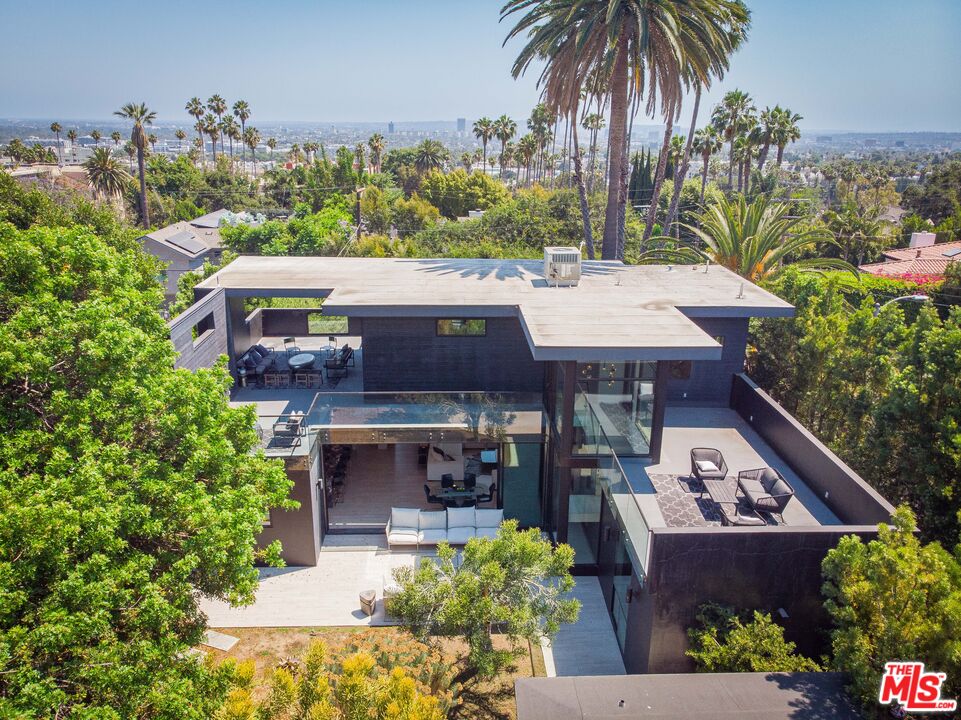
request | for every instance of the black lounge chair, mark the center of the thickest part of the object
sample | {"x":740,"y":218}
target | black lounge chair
{"x":491,"y":492}
{"x":432,"y":498}
{"x":701,"y":461}
{"x":765,"y":490}
{"x":340,"y":361}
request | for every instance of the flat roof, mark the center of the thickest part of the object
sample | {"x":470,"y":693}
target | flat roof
{"x":745,"y":696}
{"x":617,"y":311}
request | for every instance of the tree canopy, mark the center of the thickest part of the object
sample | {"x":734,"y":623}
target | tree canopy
{"x":126,"y":488}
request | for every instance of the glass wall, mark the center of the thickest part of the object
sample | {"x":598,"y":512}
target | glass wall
{"x":621,"y":396}
{"x":584,"y":515}
{"x":522,"y":482}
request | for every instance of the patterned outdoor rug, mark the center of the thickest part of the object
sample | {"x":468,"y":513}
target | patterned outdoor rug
{"x":681,"y":504}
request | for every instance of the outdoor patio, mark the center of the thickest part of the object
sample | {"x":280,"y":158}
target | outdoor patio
{"x":670,"y":497}
{"x":327,"y":595}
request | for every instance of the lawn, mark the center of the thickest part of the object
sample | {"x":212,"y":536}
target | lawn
{"x":269,"y":646}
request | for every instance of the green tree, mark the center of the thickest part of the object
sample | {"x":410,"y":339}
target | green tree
{"x":755,"y":239}
{"x":516,"y":581}
{"x":141,"y":116}
{"x":893,"y":598}
{"x":457,"y":192}
{"x":195,"y":108}
{"x":707,"y":142}
{"x":484,"y":131}
{"x":127,"y":488}
{"x":376,"y":143}
{"x":727,"y":641}
{"x":504,"y":129}
{"x":56,"y":128}
{"x":414,"y":214}
{"x":430,"y":155}
{"x":105,"y":174}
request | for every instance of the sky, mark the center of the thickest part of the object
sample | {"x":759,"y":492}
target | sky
{"x":856,"y":65}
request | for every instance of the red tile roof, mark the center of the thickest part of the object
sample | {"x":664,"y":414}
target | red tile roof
{"x":931,"y":252}
{"x":915,"y":266}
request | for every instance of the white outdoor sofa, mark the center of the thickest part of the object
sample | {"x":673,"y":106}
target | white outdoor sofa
{"x":410,"y":526}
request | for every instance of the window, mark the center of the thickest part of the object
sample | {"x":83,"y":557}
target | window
{"x":681,"y":369}
{"x":462,"y":327}
{"x":203,"y":329}
{"x":320,"y":324}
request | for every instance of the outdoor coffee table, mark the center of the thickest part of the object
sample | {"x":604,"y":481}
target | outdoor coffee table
{"x":732,"y":511}
{"x":301,"y":361}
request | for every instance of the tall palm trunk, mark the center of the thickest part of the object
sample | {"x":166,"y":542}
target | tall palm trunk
{"x":730,"y":165}
{"x":681,"y":172}
{"x":144,"y":212}
{"x":582,"y":190}
{"x":747,"y":171}
{"x":659,"y":176}
{"x":618,"y":152}
{"x":707,"y":159}
{"x":762,"y":158}
{"x":780,"y":155}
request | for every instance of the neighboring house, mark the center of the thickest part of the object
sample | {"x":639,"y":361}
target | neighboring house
{"x":184,"y":246}
{"x":922,"y":258}
{"x":575,"y":409}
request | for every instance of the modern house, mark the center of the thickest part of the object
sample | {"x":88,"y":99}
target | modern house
{"x":571,"y":393}
{"x":184,"y":246}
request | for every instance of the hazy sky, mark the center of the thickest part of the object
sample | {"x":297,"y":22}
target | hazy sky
{"x":844,"y":64}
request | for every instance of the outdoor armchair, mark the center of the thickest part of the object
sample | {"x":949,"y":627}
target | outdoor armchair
{"x":708,"y":464}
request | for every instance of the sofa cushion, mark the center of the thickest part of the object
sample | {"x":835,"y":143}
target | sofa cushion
{"x":262,"y":350}
{"x":404,"y":518}
{"x":249,"y":362}
{"x":431,"y":537}
{"x":489,"y":518}
{"x":780,"y":487}
{"x":459,"y":535}
{"x":432,"y":520}
{"x":461,"y":518}
{"x":486,"y":532}
{"x":403,"y":536}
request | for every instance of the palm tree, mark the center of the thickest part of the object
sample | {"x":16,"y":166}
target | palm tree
{"x":467,"y":160}
{"x":625,"y":41}
{"x":56,"y":128}
{"x":218,"y":106}
{"x":152,"y":139}
{"x":429,"y":155}
{"x":105,"y":174}
{"x":242,"y":111}
{"x":506,"y":157}
{"x":294,"y":153}
{"x":195,"y":108}
{"x":131,"y":152}
{"x":767,"y":122}
{"x":116,"y":137}
{"x":359,"y":158}
{"x":727,"y":119}
{"x":786,"y":132}
{"x":754,"y":239}
{"x":211,"y":128}
{"x":526,"y":150}
{"x":271,"y":143}
{"x":504,"y":130}
{"x":141,"y":116}
{"x":72,"y":137}
{"x":230,"y":129}
{"x":707,"y":141}
{"x":484,"y":131}
{"x":251,"y":140}
{"x":376,"y":144}
{"x":95,"y":134}
{"x":181,"y":136}
{"x":593,"y":123}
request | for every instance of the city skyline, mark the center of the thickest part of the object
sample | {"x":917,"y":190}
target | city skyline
{"x":384,"y":66}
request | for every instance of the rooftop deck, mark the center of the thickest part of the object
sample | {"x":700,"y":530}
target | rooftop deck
{"x":669,"y":497}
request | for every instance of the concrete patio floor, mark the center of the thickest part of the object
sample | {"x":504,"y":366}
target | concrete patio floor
{"x":327,"y":595}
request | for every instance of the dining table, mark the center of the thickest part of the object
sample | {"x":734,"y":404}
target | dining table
{"x":300,"y":361}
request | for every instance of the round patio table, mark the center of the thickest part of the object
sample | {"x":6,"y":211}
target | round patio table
{"x":301,"y":361}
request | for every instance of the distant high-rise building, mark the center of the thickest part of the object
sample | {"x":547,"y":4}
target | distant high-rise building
{"x":461,"y":125}
{"x":390,"y":128}
{"x":824,"y":139}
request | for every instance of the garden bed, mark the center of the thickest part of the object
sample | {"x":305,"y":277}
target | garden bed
{"x":267,"y":647}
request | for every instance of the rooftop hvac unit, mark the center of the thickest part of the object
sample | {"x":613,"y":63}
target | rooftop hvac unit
{"x":562,"y":266}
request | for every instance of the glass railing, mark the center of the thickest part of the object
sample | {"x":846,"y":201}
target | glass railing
{"x":386,"y":417}
{"x":620,"y":496}
{"x":622,"y":410}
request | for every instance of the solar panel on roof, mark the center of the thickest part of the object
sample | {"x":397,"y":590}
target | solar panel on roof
{"x":952,"y":252}
{"x":187,"y":241}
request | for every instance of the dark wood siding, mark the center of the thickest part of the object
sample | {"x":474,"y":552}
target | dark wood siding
{"x":710,"y":380}
{"x":407,"y":354}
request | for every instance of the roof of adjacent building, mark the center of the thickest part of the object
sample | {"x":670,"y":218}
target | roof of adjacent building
{"x":926,"y":260}
{"x":187,"y":238}
{"x":745,"y":696}
{"x":629,"y":312}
